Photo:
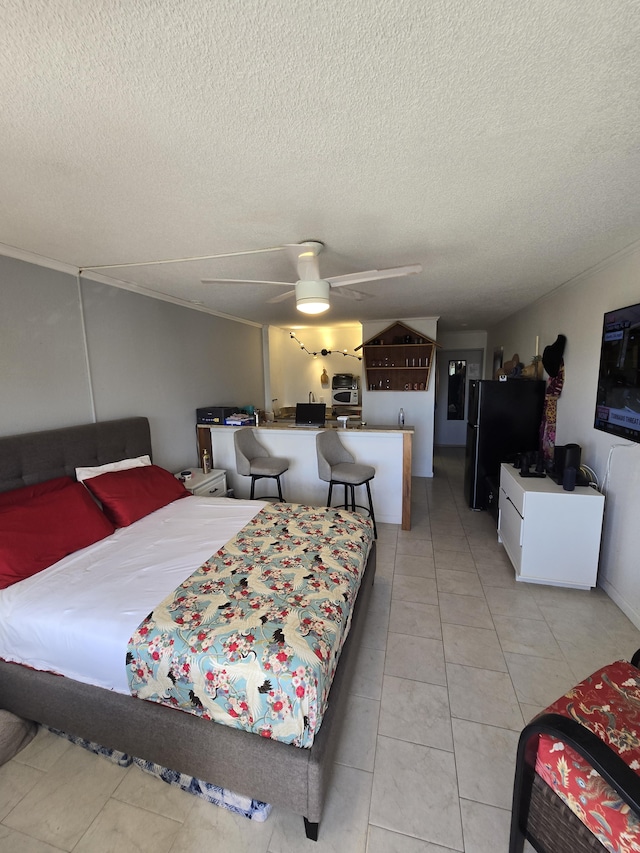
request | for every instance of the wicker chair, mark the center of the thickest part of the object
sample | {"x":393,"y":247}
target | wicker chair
{"x":539,"y":814}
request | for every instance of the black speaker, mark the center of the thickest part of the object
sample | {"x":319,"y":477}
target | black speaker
{"x":566,"y":456}
{"x":569,"y":479}
{"x":572,"y":455}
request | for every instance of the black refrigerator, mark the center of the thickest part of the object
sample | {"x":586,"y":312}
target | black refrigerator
{"x":504,"y":420}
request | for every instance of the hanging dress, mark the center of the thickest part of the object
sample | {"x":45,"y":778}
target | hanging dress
{"x":549,"y":413}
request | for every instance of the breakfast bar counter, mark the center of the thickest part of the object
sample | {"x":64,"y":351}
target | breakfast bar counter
{"x":387,"y":448}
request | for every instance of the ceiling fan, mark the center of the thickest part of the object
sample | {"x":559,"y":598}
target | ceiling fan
{"x":311,"y":291}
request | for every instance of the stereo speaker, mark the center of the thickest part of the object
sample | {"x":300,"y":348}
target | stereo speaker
{"x":569,"y":479}
{"x":566,"y":456}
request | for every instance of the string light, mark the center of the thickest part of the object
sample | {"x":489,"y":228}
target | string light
{"x":322,"y":351}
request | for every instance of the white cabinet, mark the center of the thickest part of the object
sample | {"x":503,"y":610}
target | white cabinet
{"x":551,"y":536}
{"x":213,"y":484}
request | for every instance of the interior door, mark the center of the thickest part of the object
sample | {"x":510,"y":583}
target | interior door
{"x":456,"y":368}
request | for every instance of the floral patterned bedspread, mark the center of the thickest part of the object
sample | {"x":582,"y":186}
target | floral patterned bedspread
{"x":252,"y":638}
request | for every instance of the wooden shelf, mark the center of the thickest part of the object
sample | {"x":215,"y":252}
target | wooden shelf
{"x":398,"y":359}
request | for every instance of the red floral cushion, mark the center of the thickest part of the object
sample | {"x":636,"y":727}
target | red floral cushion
{"x":129,"y":495}
{"x":37,"y":533}
{"x":608,"y":704}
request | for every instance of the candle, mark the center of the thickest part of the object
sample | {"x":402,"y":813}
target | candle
{"x":537,"y":345}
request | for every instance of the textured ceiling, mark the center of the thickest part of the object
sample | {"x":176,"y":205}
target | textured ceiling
{"x":495,"y":143}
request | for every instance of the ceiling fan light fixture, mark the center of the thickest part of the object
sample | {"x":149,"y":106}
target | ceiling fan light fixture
{"x":312,"y":297}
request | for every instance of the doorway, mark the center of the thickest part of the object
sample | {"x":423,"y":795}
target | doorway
{"x":456,"y":368}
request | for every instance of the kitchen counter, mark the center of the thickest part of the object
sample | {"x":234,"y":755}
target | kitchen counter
{"x":388,"y":448}
{"x":354,"y":425}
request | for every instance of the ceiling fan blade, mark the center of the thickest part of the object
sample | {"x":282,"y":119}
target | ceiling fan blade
{"x":242,"y":281}
{"x":282,"y":296}
{"x":356,"y":295}
{"x":373,"y":275}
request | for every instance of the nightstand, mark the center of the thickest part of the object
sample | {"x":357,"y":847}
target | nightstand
{"x":213,"y":484}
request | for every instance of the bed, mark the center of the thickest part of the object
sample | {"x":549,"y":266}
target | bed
{"x":281,"y":774}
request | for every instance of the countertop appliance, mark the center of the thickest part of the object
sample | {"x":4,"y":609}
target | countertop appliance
{"x":344,"y":390}
{"x":504,"y":420}
{"x":214,"y":414}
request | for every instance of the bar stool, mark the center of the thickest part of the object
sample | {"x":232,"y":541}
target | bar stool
{"x":337,"y":466}
{"x":253,"y":460}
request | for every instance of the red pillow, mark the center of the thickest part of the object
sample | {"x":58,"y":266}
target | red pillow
{"x":38,"y":533}
{"x":27,"y":493}
{"x":129,"y":495}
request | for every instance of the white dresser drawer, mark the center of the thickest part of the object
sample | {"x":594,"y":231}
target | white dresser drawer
{"x":512,"y":485}
{"x":213,"y":488}
{"x":510,"y":529}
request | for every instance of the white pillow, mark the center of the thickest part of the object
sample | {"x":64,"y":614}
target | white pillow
{"x":86,"y":473}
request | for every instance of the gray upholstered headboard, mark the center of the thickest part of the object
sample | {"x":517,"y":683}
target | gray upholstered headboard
{"x":37,"y":456}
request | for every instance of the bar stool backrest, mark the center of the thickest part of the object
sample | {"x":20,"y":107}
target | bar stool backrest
{"x":330,"y":451}
{"x":247,"y":448}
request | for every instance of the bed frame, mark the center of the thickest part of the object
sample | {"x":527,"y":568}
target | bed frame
{"x":277,"y":773}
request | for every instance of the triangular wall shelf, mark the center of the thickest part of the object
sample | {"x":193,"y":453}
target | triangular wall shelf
{"x":398,"y":358}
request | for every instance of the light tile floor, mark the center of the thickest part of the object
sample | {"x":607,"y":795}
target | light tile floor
{"x":455,"y":658}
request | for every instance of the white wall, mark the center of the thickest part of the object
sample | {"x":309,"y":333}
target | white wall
{"x":576,"y":310}
{"x":472,"y":339}
{"x":294,"y":373}
{"x":164,"y":361}
{"x":383,"y":407}
{"x":71,"y":354}
{"x":470,"y":345}
{"x":43,"y":372}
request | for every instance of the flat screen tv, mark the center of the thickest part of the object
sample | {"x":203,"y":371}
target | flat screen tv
{"x":618,"y":400}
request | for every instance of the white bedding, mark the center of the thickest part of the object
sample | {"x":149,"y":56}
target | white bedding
{"x":76,"y":617}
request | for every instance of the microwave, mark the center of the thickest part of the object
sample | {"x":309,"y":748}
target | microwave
{"x":344,"y":397}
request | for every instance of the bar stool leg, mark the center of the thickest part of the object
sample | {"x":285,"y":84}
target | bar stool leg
{"x":279,"y":488}
{"x":373,"y":518}
{"x":253,"y":486}
{"x":330,"y":491}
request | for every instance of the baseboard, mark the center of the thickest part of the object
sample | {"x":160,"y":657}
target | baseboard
{"x":615,"y":596}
